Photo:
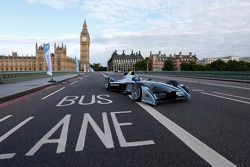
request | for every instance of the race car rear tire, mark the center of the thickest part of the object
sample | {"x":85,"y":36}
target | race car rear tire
{"x":136,"y":92}
{"x":107,"y":84}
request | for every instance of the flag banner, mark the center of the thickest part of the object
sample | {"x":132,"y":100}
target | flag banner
{"x":84,"y":68}
{"x":77,"y":65}
{"x":46,"y":49}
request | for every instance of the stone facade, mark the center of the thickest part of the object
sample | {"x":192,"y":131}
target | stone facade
{"x":60,"y":61}
{"x":156,"y":61}
{"x":84,"y":48}
{"x":123,"y":62}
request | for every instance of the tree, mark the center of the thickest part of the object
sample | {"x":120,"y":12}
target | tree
{"x":141,"y":65}
{"x":168,"y":66}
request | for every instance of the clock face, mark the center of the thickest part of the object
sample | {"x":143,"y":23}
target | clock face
{"x":84,"y":39}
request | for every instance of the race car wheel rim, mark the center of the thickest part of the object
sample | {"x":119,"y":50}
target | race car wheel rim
{"x":106,"y":84}
{"x":136,"y":92}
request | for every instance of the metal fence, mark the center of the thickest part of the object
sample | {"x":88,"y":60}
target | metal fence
{"x":237,"y":75}
{"x":8,"y":77}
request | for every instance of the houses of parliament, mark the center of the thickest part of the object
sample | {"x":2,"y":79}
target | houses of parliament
{"x":60,"y":60}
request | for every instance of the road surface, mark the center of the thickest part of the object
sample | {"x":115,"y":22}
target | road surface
{"x":79,"y":123}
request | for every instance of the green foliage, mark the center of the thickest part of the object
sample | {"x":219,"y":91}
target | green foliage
{"x":98,"y":67}
{"x":141,"y":65}
{"x":217,"y":65}
{"x":168,"y":66}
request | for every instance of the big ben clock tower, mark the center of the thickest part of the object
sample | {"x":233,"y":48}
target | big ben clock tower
{"x":84,"y":48}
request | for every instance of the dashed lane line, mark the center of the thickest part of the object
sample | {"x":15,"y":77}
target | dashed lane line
{"x":53,"y":93}
{"x":223,"y":97}
{"x":104,"y":75}
{"x":200,"y":148}
{"x":4,"y":118}
{"x":7,"y":156}
{"x":246,"y":98}
{"x":73,"y":83}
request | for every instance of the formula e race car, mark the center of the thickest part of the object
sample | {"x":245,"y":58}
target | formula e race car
{"x":150,"y":92}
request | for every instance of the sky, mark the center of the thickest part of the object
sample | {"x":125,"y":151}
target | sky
{"x":208,"y":28}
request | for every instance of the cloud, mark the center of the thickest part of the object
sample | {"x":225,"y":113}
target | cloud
{"x":57,"y":4}
{"x":208,"y":28}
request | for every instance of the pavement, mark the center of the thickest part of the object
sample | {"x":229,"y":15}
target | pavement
{"x":79,"y":123}
{"x":15,"y":90}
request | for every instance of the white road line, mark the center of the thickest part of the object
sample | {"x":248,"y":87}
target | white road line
{"x":53,"y":93}
{"x":229,"y":86}
{"x":4,"y":118}
{"x":104,"y":75}
{"x":232,"y":95}
{"x":7,"y":156}
{"x":197,"y":90}
{"x":200,"y":148}
{"x":209,"y":94}
{"x":73,"y":83}
{"x":81,"y":78}
{"x":7,"y":134}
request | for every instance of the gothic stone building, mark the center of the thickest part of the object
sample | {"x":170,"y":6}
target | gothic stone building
{"x":123,"y":62}
{"x":60,"y":62}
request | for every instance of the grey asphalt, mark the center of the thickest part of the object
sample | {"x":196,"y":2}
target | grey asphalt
{"x":220,"y":123}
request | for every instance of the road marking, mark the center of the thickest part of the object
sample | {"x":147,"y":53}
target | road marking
{"x":4,"y":118}
{"x":232,"y":95}
{"x":105,"y":137}
{"x":120,"y":136}
{"x":209,"y":94}
{"x":104,"y":75}
{"x":229,"y":86}
{"x":61,"y":141}
{"x":81,"y":78}
{"x":7,"y":134}
{"x":197,"y":90}
{"x":73,"y":83}
{"x":53,"y":93}
{"x":7,"y":156}
{"x":200,"y":148}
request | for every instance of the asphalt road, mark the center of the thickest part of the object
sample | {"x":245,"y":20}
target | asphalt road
{"x":79,"y":123}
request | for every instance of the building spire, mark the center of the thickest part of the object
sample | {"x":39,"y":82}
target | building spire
{"x":84,"y":27}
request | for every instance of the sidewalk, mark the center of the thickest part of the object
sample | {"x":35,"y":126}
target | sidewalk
{"x":14,"y":90}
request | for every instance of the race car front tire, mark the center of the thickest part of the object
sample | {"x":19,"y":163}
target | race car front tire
{"x":136,"y":92}
{"x":107,"y":84}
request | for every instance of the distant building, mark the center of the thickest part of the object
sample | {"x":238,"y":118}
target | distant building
{"x":123,"y":62}
{"x":156,"y":61}
{"x":60,"y":61}
{"x":246,"y":59}
{"x":212,"y":59}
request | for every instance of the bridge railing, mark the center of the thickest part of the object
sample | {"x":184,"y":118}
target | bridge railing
{"x":237,"y":75}
{"x":8,"y":77}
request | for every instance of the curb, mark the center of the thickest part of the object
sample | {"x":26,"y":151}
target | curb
{"x":23,"y":93}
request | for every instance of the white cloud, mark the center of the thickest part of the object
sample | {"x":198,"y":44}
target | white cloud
{"x":207,"y":27}
{"x":57,"y":4}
